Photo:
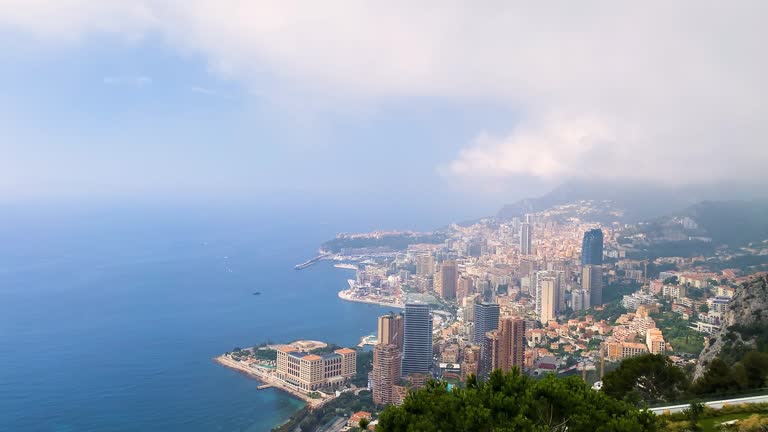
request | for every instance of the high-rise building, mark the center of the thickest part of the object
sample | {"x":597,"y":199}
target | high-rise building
{"x":559,"y":295}
{"x":528,"y":268}
{"x":580,"y":299}
{"x":391,"y":331}
{"x":448,"y":278}
{"x":503,"y":348}
{"x":512,"y":331}
{"x":525,"y":238}
{"x":464,"y":287}
{"x":417,"y":344}
{"x":386,"y":373}
{"x":592,"y":280}
{"x":548,"y":289}
{"x":489,"y":353}
{"x":468,"y":304}
{"x":425,"y":265}
{"x":592,"y":247}
{"x":486,"y":319}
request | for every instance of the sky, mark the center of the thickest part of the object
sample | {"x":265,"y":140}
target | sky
{"x":455,"y":106}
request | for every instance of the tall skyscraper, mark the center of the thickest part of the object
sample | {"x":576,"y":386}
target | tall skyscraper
{"x":486,"y":319}
{"x":592,"y":280}
{"x":417,"y":344}
{"x":559,"y":294}
{"x":548,"y":289}
{"x":391,"y":330}
{"x":592,"y":247}
{"x":525,"y":238}
{"x":386,"y":373}
{"x":512,"y":331}
{"x":448,"y":277}
{"x":503,"y":348}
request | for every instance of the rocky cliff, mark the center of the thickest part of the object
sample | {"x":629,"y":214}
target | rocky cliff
{"x":744,"y":327}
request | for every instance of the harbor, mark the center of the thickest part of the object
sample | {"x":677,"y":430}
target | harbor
{"x":314,"y":260}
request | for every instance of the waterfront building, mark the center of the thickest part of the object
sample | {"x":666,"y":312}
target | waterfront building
{"x":391,"y":330}
{"x":448,"y":277}
{"x":592,"y":280}
{"x":386,"y":373}
{"x":310,"y":372}
{"x":486,"y":319}
{"x":417,"y":342}
{"x":526,"y":233}
{"x":592,"y":248}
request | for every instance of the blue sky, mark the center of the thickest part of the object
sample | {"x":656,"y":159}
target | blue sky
{"x":107,"y":119}
{"x":458,"y":111}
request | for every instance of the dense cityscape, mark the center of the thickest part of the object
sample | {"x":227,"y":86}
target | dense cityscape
{"x":546,"y":293}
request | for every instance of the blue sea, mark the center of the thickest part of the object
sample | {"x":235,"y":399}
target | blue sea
{"x":110,"y":317}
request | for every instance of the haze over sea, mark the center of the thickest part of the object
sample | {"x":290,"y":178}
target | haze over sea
{"x":109,"y":317}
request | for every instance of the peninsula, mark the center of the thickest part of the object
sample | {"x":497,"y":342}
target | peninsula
{"x":287,"y":368}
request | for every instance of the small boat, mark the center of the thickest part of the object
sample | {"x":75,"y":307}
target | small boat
{"x":257,"y":293}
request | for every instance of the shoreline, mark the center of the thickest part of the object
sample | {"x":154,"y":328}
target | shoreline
{"x":266,"y":379}
{"x":345,"y":295}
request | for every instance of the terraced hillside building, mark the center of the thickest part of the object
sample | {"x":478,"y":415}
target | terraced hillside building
{"x":310,"y":372}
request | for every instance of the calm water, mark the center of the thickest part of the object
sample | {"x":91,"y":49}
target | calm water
{"x":109,"y":321}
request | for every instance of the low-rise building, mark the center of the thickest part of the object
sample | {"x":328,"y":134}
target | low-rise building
{"x":310,"y":372}
{"x":620,"y":350}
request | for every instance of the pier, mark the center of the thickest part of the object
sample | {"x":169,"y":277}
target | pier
{"x":308,"y":263}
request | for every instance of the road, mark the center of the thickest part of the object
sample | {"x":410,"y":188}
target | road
{"x":712,"y":404}
{"x":334,"y":426}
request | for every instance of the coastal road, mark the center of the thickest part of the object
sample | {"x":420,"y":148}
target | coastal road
{"x":712,"y":404}
{"x":334,"y":426}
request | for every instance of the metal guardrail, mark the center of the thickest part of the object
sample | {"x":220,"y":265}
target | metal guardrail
{"x":711,"y":404}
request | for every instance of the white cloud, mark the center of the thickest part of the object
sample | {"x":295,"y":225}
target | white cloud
{"x":134,"y":81}
{"x":671,"y":91}
{"x":205,"y":91}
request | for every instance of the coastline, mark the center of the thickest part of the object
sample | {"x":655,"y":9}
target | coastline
{"x":270,"y":381}
{"x":346,"y":295}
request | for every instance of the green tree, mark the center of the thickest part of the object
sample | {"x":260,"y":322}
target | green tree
{"x":693,"y":414}
{"x":513,"y":402}
{"x":652,"y":377}
{"x":364,"y":422}
{"x":717,"y":379}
